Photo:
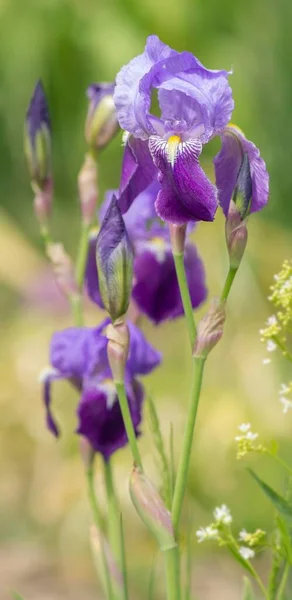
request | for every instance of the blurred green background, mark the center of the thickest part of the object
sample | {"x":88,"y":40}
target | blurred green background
{"x":44,"y":517}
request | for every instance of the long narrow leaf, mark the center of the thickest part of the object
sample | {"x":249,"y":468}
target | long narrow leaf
{"x":188,"y":588}
{"x":247,"y":590}
{"x":161,"y":453}
{"x":282,"y":506}
{"x":172,"y":460}
{"x":17,"y":596}
{"x":123,"y":561}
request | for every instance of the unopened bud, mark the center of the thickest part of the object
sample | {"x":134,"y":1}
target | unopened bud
{"x":210,"y":329}
{"x":118,"y":349}
{"x":37,"y":138}
{"x":177,"y":236}
{"x":101,"y":122}
{"x":106,"y":565}
{"x":151,"y":509}
{"x":114,"y":260}
{"x":243,"y":189}
{"x":43,"y":202}
{"x":236,"y":235}
{"x":88,"y":188}
{"x":63,"y":269}
{"x":87,"y":452}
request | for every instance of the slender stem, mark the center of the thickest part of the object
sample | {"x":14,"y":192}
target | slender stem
{"x":283,"y":583}
{"x":76,"y":307}
{"x":82,"y":255}
{"x":98,"y":521}
{"x":259,"y":582}
{"x":124,"y":562}
{"x":185,"y":296}
{"x":228,"y":283}
{"x":113,"y":520}
{"x":171,"y":561}
{"x":46,"y":235}
{"x":280,"y":461}
{"x":183,"y":467}
{"x":122,"y":396}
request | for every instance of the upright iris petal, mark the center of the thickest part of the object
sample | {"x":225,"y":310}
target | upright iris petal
{"x":227,"y":166}
{"x":195,"y":103}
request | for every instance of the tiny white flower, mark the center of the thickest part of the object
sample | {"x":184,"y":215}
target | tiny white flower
{"x":251,"y":436}
{"x":284,"y":389}
{"x":207,"y":533}
{"x":271,"y":346}
{"x":246,"y":553}
{"x":266,"y":361}
{"x":244,"y":427}
{"x":272,"y":320}
{"x":222,"y":514}
{"x":287,"y":404}
{"x":243,"y":535}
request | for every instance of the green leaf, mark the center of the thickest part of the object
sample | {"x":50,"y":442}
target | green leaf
{"x":285,"y":539}
{"x":247,"y":590}
{"x":154,"y":425}
{"x":172,"y":460}
{"x":282,"y":506}
{"x":244,"y":563}
{"x":17,"y":596}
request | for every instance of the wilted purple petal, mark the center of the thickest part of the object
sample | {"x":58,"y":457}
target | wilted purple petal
{"x":186,"y":193}
{"x":227,"y":166}
{"x":46,"y":378}
{"x":100,"y":419}
{"x":138,"y":171}
{"x":77,"y":352}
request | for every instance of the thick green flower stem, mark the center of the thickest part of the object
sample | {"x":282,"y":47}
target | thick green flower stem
{"x":98,"y":521}
{"x":171,"y":561}
{"x":228,"y":283}
{"x":184,"y":463}
{"x":185,"y":296}
{"x":123,"y":401}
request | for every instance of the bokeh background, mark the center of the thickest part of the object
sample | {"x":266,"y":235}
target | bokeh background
{"x":44,"y":517}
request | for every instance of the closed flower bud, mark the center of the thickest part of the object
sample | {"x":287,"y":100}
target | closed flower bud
{"x":106,"y":565}
{"x":88,"y":188}
{"x":63,"y":269}
{"x":37,"y":139}
{"x":114,"y":259}
{"x":236,"y":235}
{"x":243,"y":190}
{"x":210,"y":329}
{"x":101,"y":122}
{"x":151,"y":509}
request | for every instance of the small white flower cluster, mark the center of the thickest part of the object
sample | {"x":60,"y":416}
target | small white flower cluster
{"x":222,"y":516}
{"x":244,"y":428}
{"x":284,"y":391}
{"x":246,"y":553}
{"x":245,"y":441}
{"x":267,"y":334}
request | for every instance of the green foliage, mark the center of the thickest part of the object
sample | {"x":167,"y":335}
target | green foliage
{"x":247,"y":590}
{"x":164,"y":468}
{"x":282,"y":506}
{"x":17,"y":596}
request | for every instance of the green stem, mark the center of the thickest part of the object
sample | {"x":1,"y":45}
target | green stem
{"x":46,"y":235}
{"x":228,"y":283}
{"x":82,"y":255}
{"x":171,"y":561}
{"x":280,"y":461}
{"x":98,"y":521}
{"x":76,"y":307}
{"x":183,"y":467}
{"x":283,"y":583}
{"x":113,"y":520}
{"x":185,"y":296}
{"x":259,"y":582}
{"x":123,"y":401}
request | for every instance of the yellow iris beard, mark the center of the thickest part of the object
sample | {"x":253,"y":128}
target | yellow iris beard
{"x":171,"y":148}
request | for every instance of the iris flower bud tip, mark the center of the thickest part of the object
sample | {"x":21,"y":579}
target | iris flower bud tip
{"x":151,"y":509}
{"x":114,"y":259}
{"x":210,"y":329}
{"x":101,"y":122}
{"x":37,"y":138}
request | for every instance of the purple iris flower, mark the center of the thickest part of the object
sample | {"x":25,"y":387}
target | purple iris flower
{"x":79,"y":355}
{"x":155,"y":288}
{"x":195,"y":105}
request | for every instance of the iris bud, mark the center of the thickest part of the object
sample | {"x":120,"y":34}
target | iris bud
{"x":243,"y":189}
{"x":210,"y":329}
{"x":151,"y":509}
{"x":114,"y":259}
{"x":101,"y":122}
{"x":37,"y":139}
{"x":88,"y":188}
{"x":235,"y":226}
